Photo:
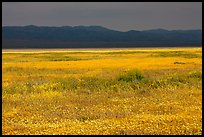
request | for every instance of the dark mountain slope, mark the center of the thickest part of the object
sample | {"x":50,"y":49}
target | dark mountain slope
{"x":94,"y":36}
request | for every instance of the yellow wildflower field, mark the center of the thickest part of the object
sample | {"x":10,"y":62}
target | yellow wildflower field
{"x":140,"y":91}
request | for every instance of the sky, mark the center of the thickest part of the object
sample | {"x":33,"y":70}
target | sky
{"x":122,"y":16}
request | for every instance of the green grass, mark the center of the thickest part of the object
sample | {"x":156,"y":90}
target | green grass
{"x":183,"y":54}
{"x":132,"y":76}
{"x":132,"y":80}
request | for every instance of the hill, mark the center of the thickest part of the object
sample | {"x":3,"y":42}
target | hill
{"x":94,"y":37}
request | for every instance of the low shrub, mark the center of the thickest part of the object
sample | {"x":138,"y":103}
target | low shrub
{"x":131,"y":76}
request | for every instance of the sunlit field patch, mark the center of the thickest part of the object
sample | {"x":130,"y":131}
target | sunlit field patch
{"x":102,"y":91}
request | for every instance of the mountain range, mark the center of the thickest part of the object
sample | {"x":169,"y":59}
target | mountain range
{"x":95,"y":37}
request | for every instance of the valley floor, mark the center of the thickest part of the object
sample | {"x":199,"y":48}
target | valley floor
{"x":102,"y":91}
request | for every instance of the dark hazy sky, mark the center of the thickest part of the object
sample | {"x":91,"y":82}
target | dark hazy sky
{"x":121,"y":16}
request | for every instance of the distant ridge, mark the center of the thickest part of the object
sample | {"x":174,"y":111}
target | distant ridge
{"x":32,"y":36}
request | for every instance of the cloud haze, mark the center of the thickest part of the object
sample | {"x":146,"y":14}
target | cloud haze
{"x":121,"y":16}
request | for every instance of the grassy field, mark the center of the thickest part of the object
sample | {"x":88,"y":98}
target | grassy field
{"x":102,"y":91}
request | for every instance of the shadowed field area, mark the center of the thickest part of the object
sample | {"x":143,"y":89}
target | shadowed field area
{"x":102,"y":91}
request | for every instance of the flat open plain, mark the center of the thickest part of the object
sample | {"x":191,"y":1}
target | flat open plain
{"x":102,"y":91}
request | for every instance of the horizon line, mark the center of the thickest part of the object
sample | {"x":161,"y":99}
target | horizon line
{"x":97,"y":26}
